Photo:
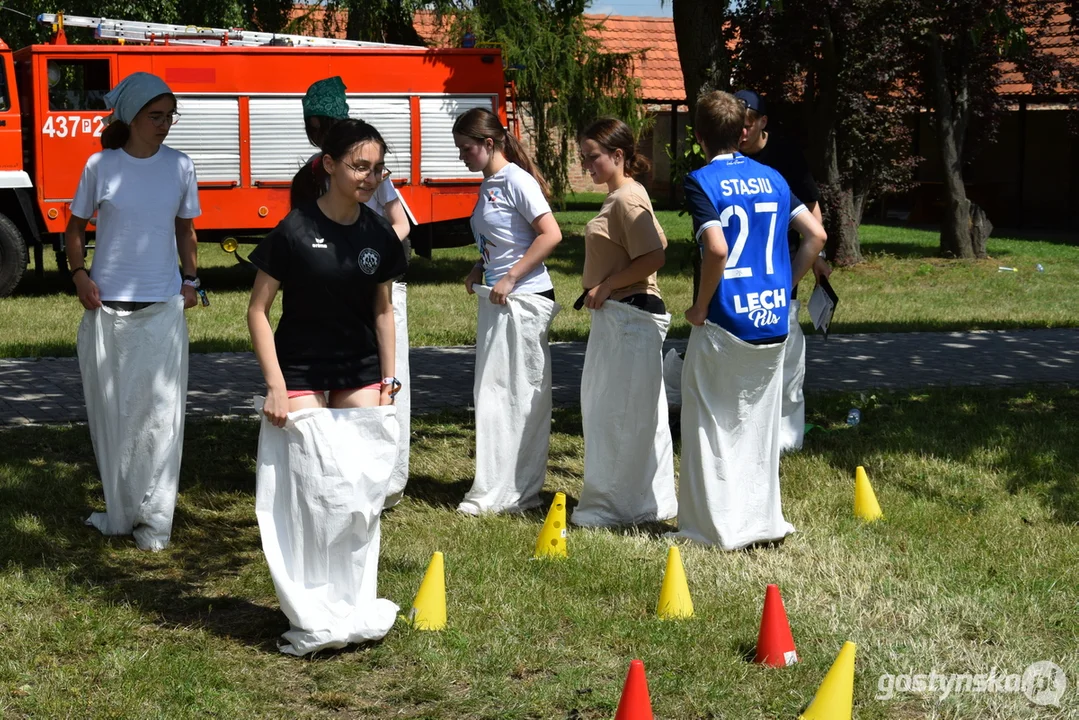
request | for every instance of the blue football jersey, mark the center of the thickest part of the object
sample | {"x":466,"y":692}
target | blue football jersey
{"x":753,"y":205}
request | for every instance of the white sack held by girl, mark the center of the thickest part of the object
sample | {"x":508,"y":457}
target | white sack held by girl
{"x":672,"y":379}
{"x":513,"y":402}
{"x":320,"y":485}
{"x":403,"y":399}
{"x":134,"y":377}
{"x":793,"y":422}
{"x":728,"y":492}
{"x":628,"y":452}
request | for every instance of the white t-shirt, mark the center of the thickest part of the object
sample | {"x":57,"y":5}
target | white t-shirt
{"x":384,"y":195}
{"x":137,"y":202}
{"x":510,"y":200}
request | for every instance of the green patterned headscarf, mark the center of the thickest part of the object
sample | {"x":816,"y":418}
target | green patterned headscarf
{"x":326,"y":98}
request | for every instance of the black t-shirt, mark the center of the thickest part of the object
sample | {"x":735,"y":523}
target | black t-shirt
{"x":786,"y":157}
{"x":329,"y":273}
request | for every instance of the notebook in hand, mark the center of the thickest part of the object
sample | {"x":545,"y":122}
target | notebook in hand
{"x":822,"y":305}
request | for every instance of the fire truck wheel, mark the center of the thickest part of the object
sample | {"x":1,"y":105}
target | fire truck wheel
{"x":13,"y":257}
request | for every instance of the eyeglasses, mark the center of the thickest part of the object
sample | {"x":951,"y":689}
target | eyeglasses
{"x":164,"y":119}
{"x":383,"y":172}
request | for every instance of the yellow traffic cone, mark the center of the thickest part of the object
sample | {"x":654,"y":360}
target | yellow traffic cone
{"x":865,"y":500}
{"x":674,"y":599}
{"x":551,"y":542}
{"x":835,"y":696}
{"x":429,"y":607}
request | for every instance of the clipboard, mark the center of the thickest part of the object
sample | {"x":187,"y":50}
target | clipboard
{"x":822,"y":304}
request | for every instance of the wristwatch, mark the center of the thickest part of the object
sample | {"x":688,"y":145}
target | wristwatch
{"x":193,"y":281}
{"x":394,"y":383}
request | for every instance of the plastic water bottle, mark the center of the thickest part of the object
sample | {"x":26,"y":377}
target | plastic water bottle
{"x":1039,"y":267}
{"x":854,"y":417}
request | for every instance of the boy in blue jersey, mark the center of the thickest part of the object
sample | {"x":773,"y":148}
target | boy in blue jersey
{"x":732,"y":378}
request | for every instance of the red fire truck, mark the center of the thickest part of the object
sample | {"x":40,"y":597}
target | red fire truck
{"x":241,"y":122}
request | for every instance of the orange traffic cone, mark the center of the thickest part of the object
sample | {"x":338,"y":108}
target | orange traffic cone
{"x":775,"y":644}
{"x":635,"y":703}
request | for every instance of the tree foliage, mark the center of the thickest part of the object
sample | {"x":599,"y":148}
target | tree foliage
{"x":964,"y":48}
{"x":564,"y":77}
{"x":855,"y":73}
{"x":388,"y":21}
{"x":844,"y":72}
{"x":19,"y":17}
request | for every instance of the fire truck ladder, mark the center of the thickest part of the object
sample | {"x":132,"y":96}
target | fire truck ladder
{"x":512,"y":122}
{"x":164,"y":33}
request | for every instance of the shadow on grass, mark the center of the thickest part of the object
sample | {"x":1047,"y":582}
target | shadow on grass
{"x":900,"y":251}
{"x":48,"y":485}
{"x":51,"y":475}
{"x":53,"y":282}
{"x":240,"y":276}
{"x":1028,"y":434}
{"x":439,"y":270}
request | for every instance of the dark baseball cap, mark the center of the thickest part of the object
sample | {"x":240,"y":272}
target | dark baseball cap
{"x":753,"y":101}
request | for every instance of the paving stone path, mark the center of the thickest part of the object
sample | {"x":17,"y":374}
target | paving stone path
{"x":49,"y":390}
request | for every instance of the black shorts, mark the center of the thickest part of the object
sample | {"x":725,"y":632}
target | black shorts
{"x":647,"y":302}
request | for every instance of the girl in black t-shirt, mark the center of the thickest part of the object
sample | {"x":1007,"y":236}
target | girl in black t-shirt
{"x":335,"y":260}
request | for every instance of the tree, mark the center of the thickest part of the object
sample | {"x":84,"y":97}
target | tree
{"x":388,"y":21}
{"x":702,"y":35}
{"x":564,"y":77}
{"x":963,"y":43}
{"x":21,"y":27}
{"x":846,"y":71}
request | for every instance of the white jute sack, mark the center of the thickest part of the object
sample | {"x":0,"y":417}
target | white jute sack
{"x":319,"y":488}
{"x":512,"y":394}
{"x":628,"y":452}
{"x":403,"y":401}
{"x":793,"y":422}
{"x":728,"y":491}
{"x":672,"y":379}
{"x":134,"y":378}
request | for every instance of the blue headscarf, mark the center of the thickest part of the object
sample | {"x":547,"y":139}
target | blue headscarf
{"x":132,"y":94}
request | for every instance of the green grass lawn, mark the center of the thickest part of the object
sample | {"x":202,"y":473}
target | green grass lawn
{"x":973,"y":568}
{"x":902,"y":286}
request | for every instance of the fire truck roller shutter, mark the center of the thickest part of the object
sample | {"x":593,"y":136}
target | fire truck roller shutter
{"x":209,"y":133}
{"x":279,"y":145}
{"x":392,"y":118}
{"x":439,"y":158}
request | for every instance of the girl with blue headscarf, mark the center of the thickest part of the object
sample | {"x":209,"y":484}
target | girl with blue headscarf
{"x":132,"y":341}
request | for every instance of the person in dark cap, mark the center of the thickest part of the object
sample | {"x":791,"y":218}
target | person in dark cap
{"x":784,"y":156}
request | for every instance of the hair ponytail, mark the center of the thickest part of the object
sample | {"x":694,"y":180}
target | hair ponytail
{"x":480,"y":124}
{"x":612,"y":134}
{"x":308,"y":184}
{"x":516,"y":154}
{"x":638,"y":165}
{"x":115,"y":135}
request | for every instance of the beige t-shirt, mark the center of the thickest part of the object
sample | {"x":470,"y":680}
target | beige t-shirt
{"x":625,"y":229}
